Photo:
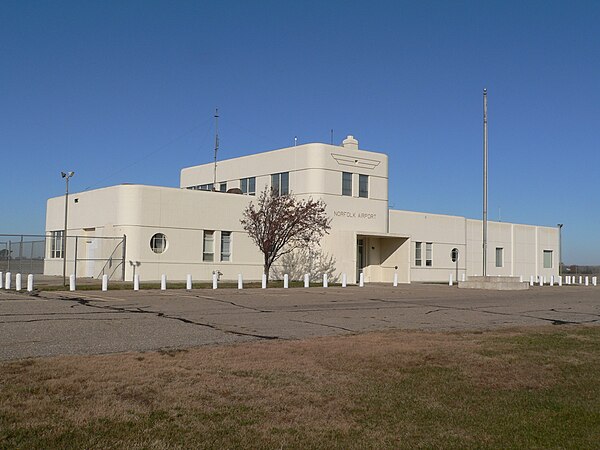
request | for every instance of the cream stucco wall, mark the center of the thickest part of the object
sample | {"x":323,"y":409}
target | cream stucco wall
{"x":315,"y":171}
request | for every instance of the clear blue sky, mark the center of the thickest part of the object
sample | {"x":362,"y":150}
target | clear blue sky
{"x":124,"y":91}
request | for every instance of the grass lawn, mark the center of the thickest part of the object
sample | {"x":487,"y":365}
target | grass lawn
{"x":518,"y":388}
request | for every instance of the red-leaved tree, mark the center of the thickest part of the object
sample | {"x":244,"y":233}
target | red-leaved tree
{"x":279,"y":224}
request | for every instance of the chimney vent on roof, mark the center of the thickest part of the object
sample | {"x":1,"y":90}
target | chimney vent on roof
{"x":350,"y":143}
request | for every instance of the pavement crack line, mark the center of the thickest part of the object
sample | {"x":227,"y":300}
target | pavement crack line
{"x":60,"y":318}
{"x":137,"y":310}
{"x":322,"y":324}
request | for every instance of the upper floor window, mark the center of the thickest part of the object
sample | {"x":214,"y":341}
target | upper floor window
{"x":346,"y":183}
{"x":428,"y":254}
{"x":280,"y":183}
{"x":248,"y":185}
{"x":363,"y":186}
{"x":418,"y":253}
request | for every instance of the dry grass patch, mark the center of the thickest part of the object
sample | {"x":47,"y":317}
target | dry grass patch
{"x":518,"y":388}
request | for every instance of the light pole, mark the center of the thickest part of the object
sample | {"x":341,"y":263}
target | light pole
{"x":66,"y":176}
{"x":485,"y":180}
{"x":559,"y":225}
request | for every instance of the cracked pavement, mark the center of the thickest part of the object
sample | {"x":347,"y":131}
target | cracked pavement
{"x":93,"y":322}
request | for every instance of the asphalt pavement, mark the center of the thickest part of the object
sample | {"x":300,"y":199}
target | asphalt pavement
{"x":94,"y":322}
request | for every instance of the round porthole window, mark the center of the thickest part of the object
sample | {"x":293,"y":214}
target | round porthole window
{"x":158,"y":243}
{"x":454,"y":255}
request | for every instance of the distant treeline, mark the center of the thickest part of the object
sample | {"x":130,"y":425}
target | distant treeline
{"x":575,"y":268}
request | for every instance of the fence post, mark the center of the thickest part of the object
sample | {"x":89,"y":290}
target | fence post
{"x":8,"y":256}
{"x":21,"y":255}
{"x":123,"y":259}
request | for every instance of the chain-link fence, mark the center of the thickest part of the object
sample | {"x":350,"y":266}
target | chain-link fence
{"x":83,"y":255}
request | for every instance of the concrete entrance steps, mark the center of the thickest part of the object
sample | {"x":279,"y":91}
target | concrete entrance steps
{"x":495,"y":283}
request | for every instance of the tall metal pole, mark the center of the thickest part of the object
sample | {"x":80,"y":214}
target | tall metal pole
{"x":66,"y":176}
{"x":485,"y":180}
{"x":216,"y":148}
{"x":560,"y":263}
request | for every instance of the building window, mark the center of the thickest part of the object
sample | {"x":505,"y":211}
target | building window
{"x":428,"y":251}
{"x":158,"y":243}
{"x":206,"y":187}
{"x":280,"y":183}
{"x":208,"y":249}
{"x":346,"y":183}
{"x":223,"y":187}
{"x":547,"y":259}
{"x":363,"y":186}
{"x":225,"y":245}
{"x":499,"y":257}
{"x":248,"y":185}
{"x":56,"y":244}
{"x":418,"y":253}
{"x":454,"y":255}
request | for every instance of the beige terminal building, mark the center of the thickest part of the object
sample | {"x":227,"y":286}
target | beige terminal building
{"x":196,"y":229}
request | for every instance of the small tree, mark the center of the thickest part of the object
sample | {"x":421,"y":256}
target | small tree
{"x":279,"y":224}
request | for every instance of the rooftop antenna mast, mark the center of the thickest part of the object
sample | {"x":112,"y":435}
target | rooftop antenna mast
{"x":332,"y":136}
{"x":216,"y":148}
{"x":485,"y":180}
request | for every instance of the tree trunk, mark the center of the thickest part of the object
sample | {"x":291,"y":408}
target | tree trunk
{"x":267,"y":269}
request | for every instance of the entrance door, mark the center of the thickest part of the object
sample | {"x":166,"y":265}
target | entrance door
{"x":360,"y":257}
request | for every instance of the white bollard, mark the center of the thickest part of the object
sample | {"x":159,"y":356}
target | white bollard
{"x":72,"y":284}
{"x":7,"y":281}
{"x":560,"y":281}
{"x":1,"y":280}
{"x":163,"y":282}
{"x":587,"y":281}
{"x":306,"y":281}
{"x":30,"y":283}
{"x":361,"y":280}
{"x":520,"y":278}
{"x":395,"y":279}
{"x":464,"y":277}
{"x":215,"y":281}
{"x":450,"y":280}
{"x":344,"y":280}
{"x":568,"y":279}
{"x":541,"y":281}
{"x":286,"y":281}
{"x":188,"y":281}
{"x":325,"y":283}
{"x":264,"y":281}
{"x":580,"y":279}
{"x":240,"y":281}
{"x":595,"y":281}
{"x":551,"y":280}
{"x":18,"y":281}
{"x":545,"y":281}
{"x":105,"y":282}
{"x":136,"y":282}
{"x":531,"y":280}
